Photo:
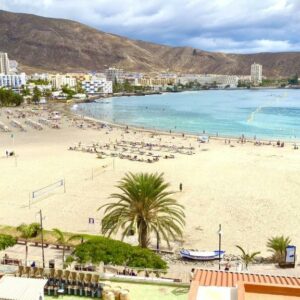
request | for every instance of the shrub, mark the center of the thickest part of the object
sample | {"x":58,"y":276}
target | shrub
{"x":9,"y":97}
{"x":6,"y":241}
{"x":115,"y":252}
{"x":277,"y":245}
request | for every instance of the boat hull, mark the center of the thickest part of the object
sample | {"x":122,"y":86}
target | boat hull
{"x":202,"y":255}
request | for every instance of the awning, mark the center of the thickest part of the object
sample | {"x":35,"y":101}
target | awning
{"x":18,"y":288}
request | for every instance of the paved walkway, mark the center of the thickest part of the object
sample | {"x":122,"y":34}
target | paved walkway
{"x":35,"y":254}
{"x":176,"y":270}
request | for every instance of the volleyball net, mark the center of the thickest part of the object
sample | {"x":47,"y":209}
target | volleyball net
{"x":47,"y":190}
{"x":95,"y":172}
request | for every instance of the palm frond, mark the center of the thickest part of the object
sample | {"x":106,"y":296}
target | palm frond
{"x":144,"y":203}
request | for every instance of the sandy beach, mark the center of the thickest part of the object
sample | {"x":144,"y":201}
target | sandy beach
{"x":251,"y":190}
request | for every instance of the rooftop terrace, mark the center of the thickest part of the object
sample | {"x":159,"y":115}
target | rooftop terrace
{"x":144,"y":291}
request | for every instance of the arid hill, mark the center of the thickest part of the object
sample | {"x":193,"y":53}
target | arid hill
{"x":47,"y":44}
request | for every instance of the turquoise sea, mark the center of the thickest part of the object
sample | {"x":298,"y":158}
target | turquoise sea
{"x":266,"y":114}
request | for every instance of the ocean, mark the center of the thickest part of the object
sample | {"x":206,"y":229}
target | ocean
{"x":261,"y":113}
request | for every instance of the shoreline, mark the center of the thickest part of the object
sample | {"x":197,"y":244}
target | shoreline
{"x":68,"y":107}
{"x":220,"y":182}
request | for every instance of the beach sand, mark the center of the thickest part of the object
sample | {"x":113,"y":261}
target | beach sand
{"x":253,"y":191}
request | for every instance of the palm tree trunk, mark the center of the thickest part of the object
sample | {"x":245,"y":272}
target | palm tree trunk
{"x":63,"y":255}
{"x":143,"y":234}
{"x":26,"y":253}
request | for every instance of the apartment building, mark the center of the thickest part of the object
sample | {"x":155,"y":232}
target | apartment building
{"x":158,"y":80}
{"x":113,"y":74}
{"x":12,"y":80}
{"x":209,"y":79}
{"x":98,"y":86}
{"x":59,"y":80}
{"x":256,"y":73}
{"x":39,"y":76}
{"x":4,"y":63}
{"x":80,"y":76}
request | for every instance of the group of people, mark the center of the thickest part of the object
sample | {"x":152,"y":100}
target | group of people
{"x":127,"y":272}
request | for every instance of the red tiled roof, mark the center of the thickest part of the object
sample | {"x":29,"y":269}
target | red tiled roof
{"x":230,"y":279}
{"x":233,"y":279}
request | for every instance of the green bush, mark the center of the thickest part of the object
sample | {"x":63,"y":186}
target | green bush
{"x":6,"y":241}
{"x":9,"y":98}
{"x":115,"y":252}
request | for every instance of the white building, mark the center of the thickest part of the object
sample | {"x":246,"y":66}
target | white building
{"x":228,"y":80}
{"x":12,"y":81}
{"x":41,"y":87}
{"x":98,"y":86}
{"x":39,"y":76}
{"x":113,"y":74}
{"x":209,"y":79}
{"x":256,"y":73}
{"x":20,"y":288}
{"x":59,"y":80}
{"x":4,"y":63}
{"x":13,"y":67}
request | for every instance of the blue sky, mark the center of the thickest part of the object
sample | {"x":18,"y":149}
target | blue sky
{"x":237,"y":26}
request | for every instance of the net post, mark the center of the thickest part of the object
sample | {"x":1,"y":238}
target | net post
{"x":64,"y":181}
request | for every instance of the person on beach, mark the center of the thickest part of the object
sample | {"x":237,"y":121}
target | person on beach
{"x":180,"y":187}
{"x":227,"y":266}
{"x":192,"y":275}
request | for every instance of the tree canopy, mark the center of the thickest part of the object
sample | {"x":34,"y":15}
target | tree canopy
{"x":102,"y":249}
{"x":9,"y":98}
{"x":6,"y":241}
{"x":146,"y":206}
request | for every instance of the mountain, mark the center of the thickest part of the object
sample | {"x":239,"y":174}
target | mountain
{"x":47,"y":44}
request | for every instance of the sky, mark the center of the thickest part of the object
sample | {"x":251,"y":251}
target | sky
{"x":232,"y":26}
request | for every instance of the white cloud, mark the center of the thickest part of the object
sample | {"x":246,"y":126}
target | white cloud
{"x":229,"y":25}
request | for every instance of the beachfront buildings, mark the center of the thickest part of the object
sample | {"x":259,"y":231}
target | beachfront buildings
{"x":161,"y":79}
{"x":60,"y":80}
{"x":114,"y":74}
{"x":4,"y":63}
{"x":80,"y":76}
{"x":97,"y":85}
{"x":14,"y":81}
{"x":256,"y":74}
{"x":209,"y":79}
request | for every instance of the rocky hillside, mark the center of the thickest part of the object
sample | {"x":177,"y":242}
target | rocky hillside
{"x":39,"y":43}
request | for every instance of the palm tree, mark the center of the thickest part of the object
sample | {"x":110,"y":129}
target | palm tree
{"x":145,"y":206}
{"x":28,"y":231}
{"x":64,"y":241}
{"x":277,"y":245}
{"x":247,"y":258}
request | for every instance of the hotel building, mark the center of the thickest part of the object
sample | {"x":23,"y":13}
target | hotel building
{"x":256,"y":73}
{"x":59,"y":80}
{"x":4,"y":63}
{"x":113,"y":74}
{"x":98,"y":86}
{"x":12,"y":81}
{"x":209,"y":79}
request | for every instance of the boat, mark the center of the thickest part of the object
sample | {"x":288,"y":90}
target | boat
{"x":201,"y":255}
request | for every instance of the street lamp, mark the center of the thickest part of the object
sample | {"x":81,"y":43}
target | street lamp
{"x":220,"y":240}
